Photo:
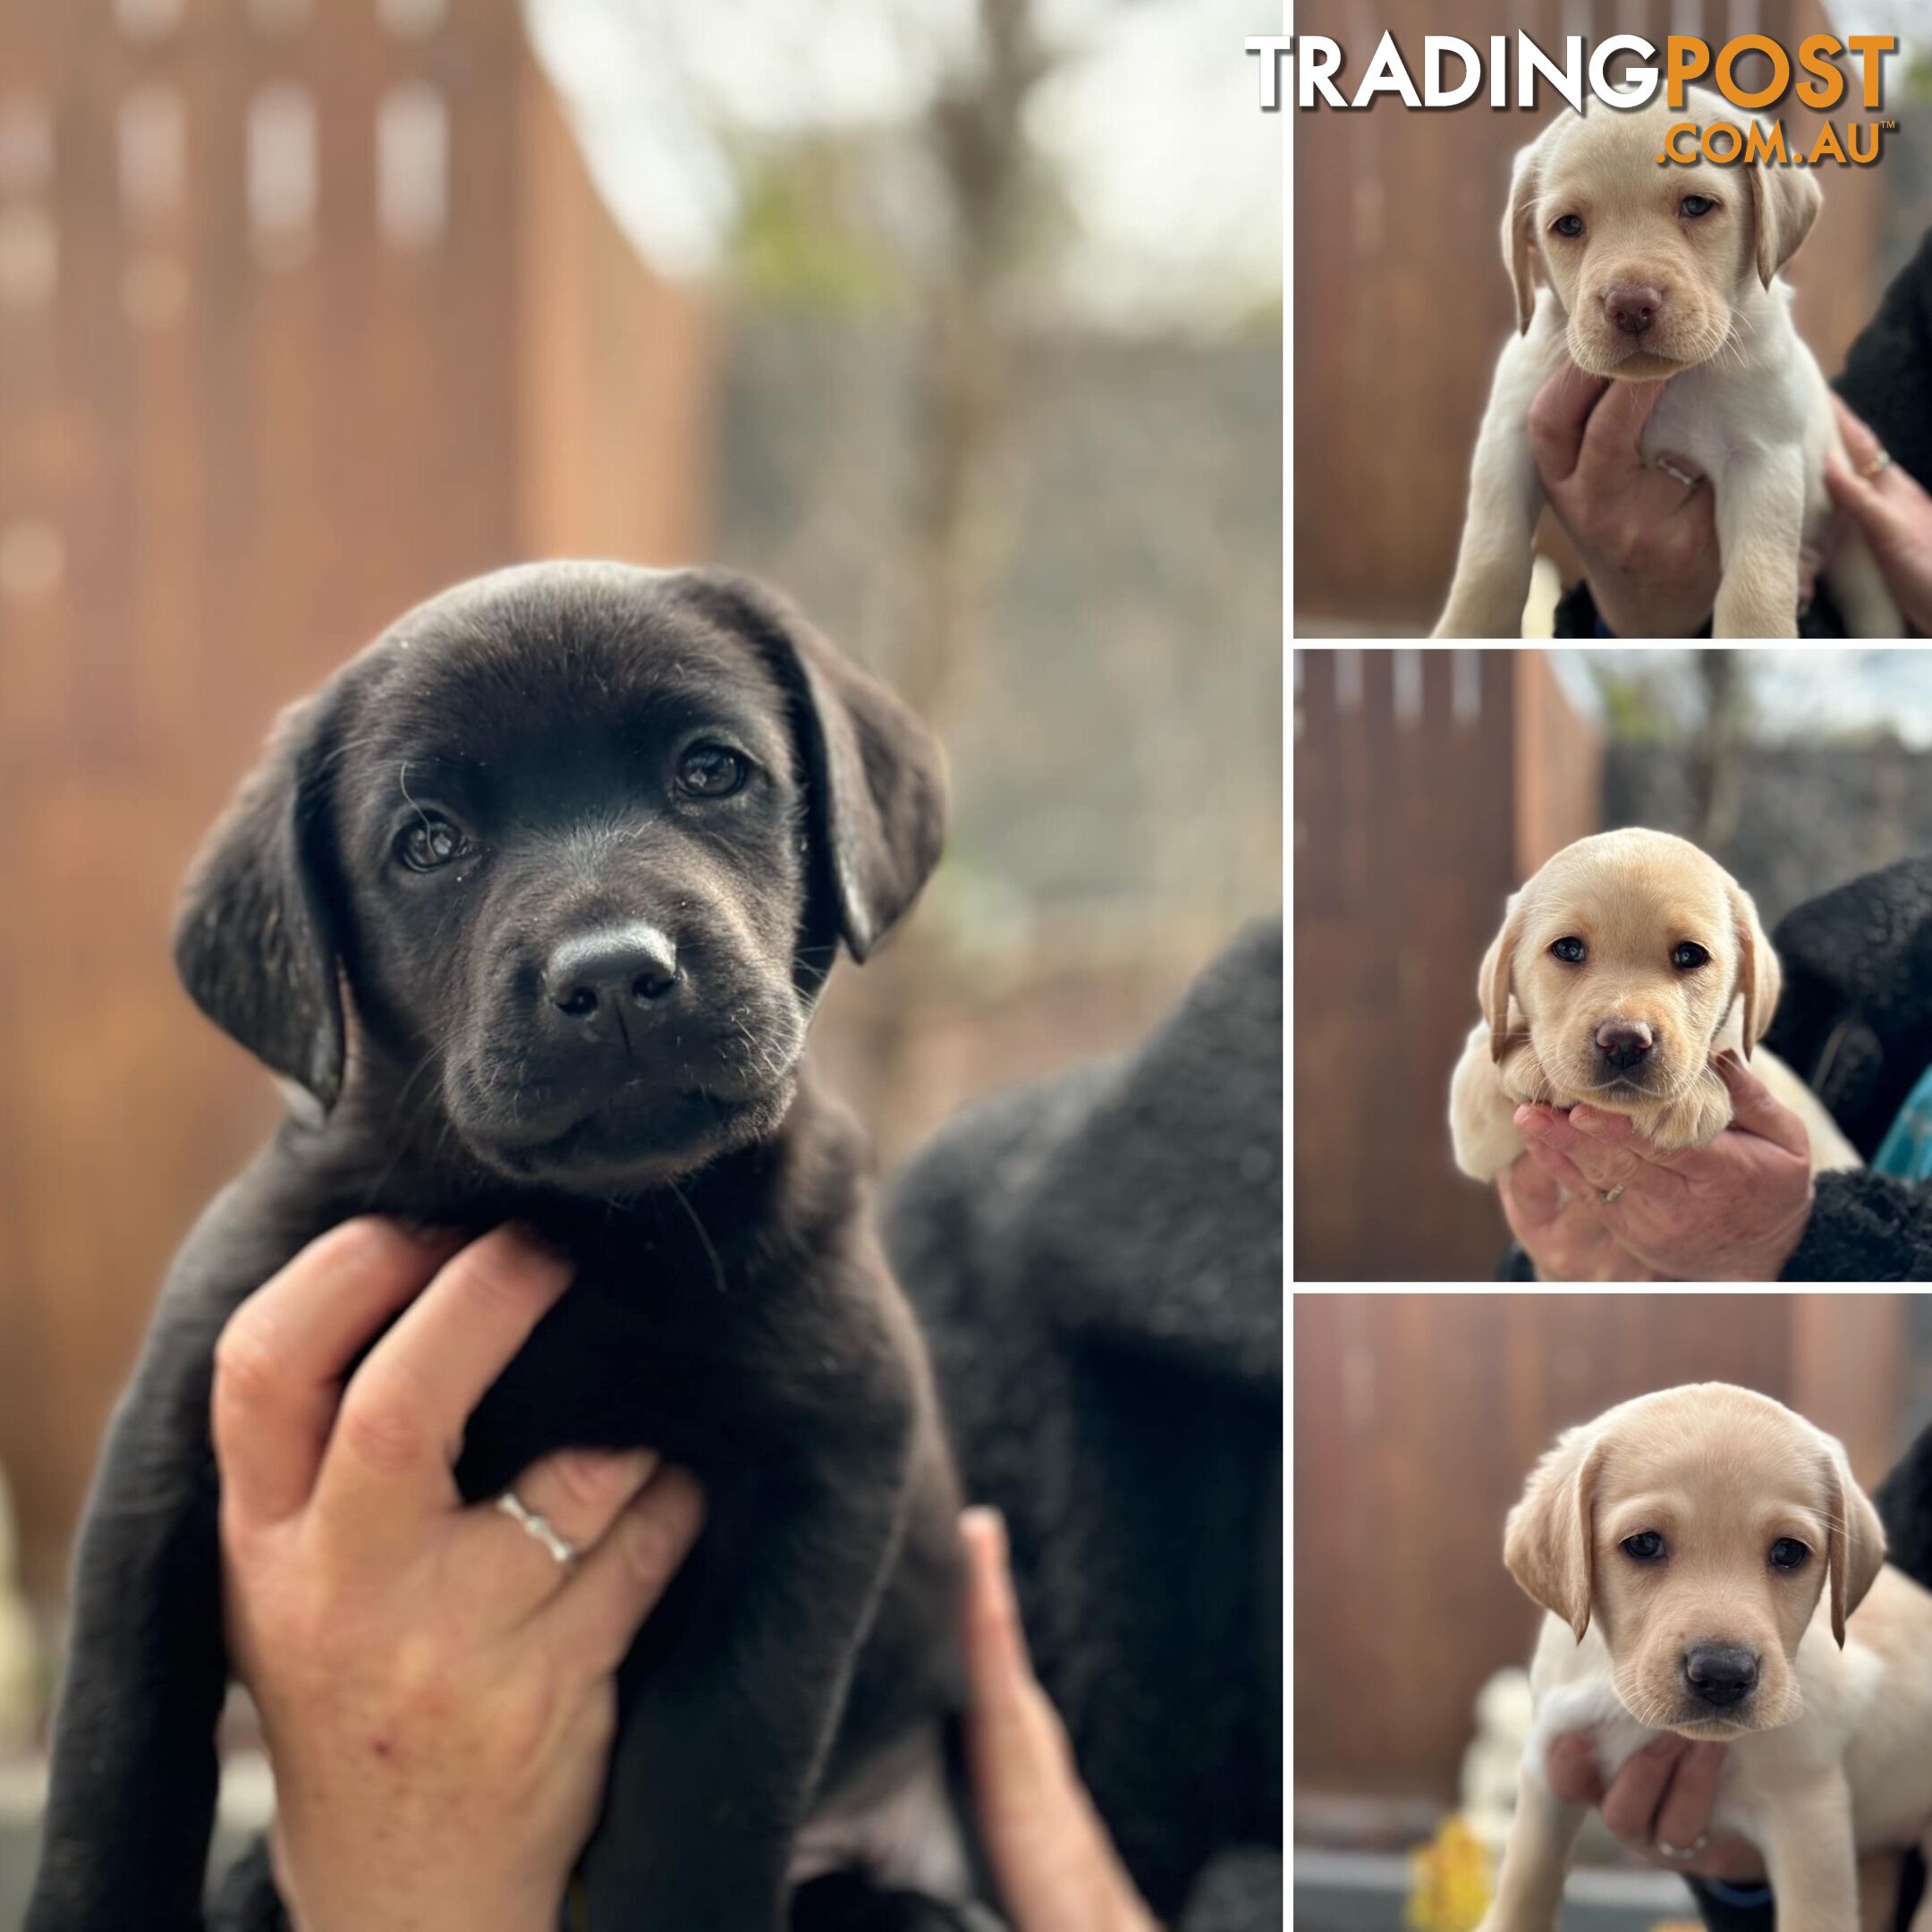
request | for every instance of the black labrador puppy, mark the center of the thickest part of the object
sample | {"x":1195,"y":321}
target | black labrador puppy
{"x":532,"y":901}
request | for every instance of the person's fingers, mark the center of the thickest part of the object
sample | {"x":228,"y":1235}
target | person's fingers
{"x":1571,"y":1761}
{"x":1860,"y":440}
{"x":1052,"y":1860}
{"x":1603,"y":1130}
{"x":1684,"y":1815}
{"x":1757,"y":1110}
{"x":280,"y":1361}
{"x":1011,"y":1770}
{"x":1557,"y":416}
{"x":580,"y":1493}
{"x":1629,"y":1806}
{"x":1858,"y":498}
{"x":1535,"y":1197}
{"x":1601,"y":1148}
{"x":1558,"y":1167}
{"x":593,"y":1618}
{"x":402,"y":1417}
{"x":1617,"y":425}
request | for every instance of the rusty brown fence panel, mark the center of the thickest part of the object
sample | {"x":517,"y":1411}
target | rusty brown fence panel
{"x":1427,"y":783}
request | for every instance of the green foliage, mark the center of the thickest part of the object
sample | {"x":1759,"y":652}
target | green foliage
{"x":1638,"y":707}
{"x":802,"y":238}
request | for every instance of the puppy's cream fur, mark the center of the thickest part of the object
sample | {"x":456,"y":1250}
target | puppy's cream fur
{"x":1827,"y":1760}
{"x":1746,"y":406}
{"x":1632,"y":897}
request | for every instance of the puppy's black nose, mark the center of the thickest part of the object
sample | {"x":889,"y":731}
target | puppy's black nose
{"x":623,"y":966}
{"x":1632,"y":306}
{"x":1623,"y":1043}
{"x":1720,"y":1673}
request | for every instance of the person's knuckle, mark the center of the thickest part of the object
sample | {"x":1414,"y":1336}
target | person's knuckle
{"x":423,"y":1684}
{"x":501,"y":1273}
{"x":248,"y":1364}
{"x":368,"y":1244}
{"x":586,"y":1480}
{"x":380,"y":1434}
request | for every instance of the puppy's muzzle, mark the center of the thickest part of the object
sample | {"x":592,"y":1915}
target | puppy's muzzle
{"x":1623,"y":1044}
{"x":604,"y":986}
{"x":1720,"y":1674}
{"x":1631,"y":307}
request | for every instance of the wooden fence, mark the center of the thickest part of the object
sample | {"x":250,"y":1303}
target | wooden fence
{"x":305,"y":312}
{"x":1428,"y":784}
{"x":1417,"y":1418}
{"x":1402,"y":300}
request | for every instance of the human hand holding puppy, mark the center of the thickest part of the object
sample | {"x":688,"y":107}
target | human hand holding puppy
{"x":1659,"y":1803}
{"x":1733,"y":1211}
{"x":437,"y":1690}
{"x":1647,"y":540}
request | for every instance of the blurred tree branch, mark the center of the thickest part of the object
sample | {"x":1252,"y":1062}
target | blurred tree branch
{"x":960,"y":520}
{"x":1717,"y":764}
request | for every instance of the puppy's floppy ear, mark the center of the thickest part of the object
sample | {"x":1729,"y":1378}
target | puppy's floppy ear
{"x":1760,"y":977}
{"x":1547,"y":1544}
{"x":875,"y":775}
{"x":1525,"y":180}
{"x":254,"y":941}
{"x":1856,"y":1540}
{"x":1785,"y":203}
{"x":1495,"y":979}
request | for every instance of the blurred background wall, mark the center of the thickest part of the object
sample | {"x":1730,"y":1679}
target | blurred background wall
{"x":1402,"y":300}
{"x":1427,"y":785}
{"x":1417,"y":1418}
{"x":1430,"y":784}
{"x":306,"y":311}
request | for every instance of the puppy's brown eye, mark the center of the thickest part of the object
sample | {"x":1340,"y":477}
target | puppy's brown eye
{"x":1788,"y":1554}
{"x":1694,"y":204}
{"x":1570,"y":952}
{"x":712,"y":771}
{"x":1570,"y":226}
{"x":1646,"y":1547}
{"x":1688,"y":955}
{"x":429,"y":842}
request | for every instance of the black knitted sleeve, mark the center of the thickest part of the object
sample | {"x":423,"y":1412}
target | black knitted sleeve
{"x":1866,"y":1227}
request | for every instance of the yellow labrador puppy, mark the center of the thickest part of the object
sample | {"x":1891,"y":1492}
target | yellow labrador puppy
{"x":1700,"y":1552}
{"x":1622,"y":968}
{"x":1666,"y":273}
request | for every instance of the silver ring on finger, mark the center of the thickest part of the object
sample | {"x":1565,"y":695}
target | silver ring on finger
{"x":535,"y":1523}
{"x":1876,"y":466}
{"x":1611,"y":1195}
{"x":1682,"y":1854}
{"x":1671,"y":470}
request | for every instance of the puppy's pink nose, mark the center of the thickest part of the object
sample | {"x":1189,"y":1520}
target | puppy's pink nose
{"x":1622,"y":1042}
{"x":1632,"y":306}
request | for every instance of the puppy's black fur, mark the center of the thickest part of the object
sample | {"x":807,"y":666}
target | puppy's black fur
{"x":533,"y":900}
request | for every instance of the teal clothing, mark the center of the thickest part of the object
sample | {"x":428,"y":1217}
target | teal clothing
{"x":1906,"y":1152}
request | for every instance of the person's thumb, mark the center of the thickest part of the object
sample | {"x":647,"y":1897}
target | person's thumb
{"x":1617,"y":426}
{"x":1757,"y":1110}
{"x":1859,"y":501}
